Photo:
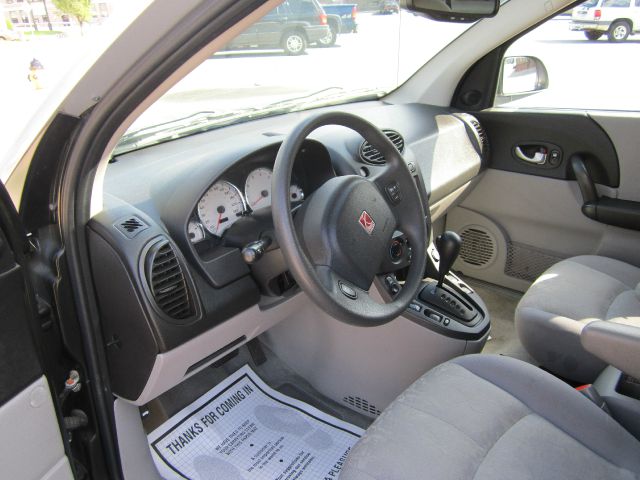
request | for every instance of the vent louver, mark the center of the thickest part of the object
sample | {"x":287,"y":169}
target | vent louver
{"x":478,"y":247}
{"x":131,"y":226}
{"x":362,"y":404}
{"x":167,"y":282}
{"x":370,"y":154}
{"x":482,"y":135}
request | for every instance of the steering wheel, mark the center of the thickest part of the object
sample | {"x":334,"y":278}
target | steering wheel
{"x":337,"y":242}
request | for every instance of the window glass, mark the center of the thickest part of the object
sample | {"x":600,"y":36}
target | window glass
{"x":584,"y":59}
{"x":312,"y":55}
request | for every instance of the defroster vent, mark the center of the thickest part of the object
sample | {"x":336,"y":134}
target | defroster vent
{"x":167,"y":281}
{"x":370,"y":154}
{"x":130,"y":226}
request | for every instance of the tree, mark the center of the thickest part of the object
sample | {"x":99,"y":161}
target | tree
{"x":79,"y":9}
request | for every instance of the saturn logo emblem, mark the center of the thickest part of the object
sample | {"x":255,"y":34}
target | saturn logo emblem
{"x":367,"y":222}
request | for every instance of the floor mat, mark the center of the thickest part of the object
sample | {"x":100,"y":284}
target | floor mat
{"x":242,"y":429}
{"x":502,"y":305}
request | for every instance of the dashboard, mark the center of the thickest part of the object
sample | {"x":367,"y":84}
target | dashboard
{"x":166,"y":249}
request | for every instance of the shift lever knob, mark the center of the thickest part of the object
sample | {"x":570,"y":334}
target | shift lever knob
{"x":448,"y":245}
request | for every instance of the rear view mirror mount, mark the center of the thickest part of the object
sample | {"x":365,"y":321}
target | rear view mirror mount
{"x":459,"y":11}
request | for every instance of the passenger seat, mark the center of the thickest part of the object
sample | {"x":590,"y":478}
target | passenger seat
{"x":568,"y":296}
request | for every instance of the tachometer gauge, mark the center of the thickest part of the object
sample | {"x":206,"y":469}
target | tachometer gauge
{"x":295,"y":193}
{"x":220,"y":207}
{"x":257,"y":188}
{"x":195,"y":231}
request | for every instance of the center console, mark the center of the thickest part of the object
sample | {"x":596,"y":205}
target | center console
{"x":621,"y":392}
{"x":444,"y":302}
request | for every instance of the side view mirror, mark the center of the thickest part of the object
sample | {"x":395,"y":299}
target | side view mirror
{"x":461,"y":11}
{"x":521,"y":77}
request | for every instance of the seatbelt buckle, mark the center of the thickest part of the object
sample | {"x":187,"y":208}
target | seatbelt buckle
{"x":592,"y":394}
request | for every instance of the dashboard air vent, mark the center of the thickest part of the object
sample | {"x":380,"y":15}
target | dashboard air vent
{"x":478,"y":247}
{"x":482,"y":135}
{"x":370,"y":154}
{"x":167,"y":282}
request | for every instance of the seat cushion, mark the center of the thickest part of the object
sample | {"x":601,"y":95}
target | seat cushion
{"x":570,"y":294}
{"x":492,"y":417}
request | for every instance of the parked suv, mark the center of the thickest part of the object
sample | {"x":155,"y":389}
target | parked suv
{"x":617,"y":18}
{"x":292,"y":26}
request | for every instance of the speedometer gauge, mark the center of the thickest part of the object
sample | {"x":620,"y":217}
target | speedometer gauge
{"x":257,"y":188}
{"x":220,"y":207}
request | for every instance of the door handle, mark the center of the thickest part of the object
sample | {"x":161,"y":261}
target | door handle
{"x":538,"y":158}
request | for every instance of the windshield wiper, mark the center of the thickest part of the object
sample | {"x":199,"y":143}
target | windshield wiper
{"x":204,"y":121}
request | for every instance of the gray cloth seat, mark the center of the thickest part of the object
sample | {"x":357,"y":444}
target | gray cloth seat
{"x":569,"y":295}
{"x":492,"y":417}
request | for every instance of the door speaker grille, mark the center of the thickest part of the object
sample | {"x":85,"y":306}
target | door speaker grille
{"x":478,"y":247}
{"x":361,"y":404}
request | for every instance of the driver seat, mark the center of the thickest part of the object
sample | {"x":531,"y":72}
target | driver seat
{"x":493,"y":417}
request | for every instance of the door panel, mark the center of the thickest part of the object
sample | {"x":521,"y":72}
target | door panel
{"x":32,"y":446}
{"x":568,"y":133}
{"x":623,"y":129}
{"x":520,"y":220}
{"x":30,"y":437}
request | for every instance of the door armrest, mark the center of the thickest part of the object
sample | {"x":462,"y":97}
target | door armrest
{"x":611,"y":211}
{"x":614,"y":343}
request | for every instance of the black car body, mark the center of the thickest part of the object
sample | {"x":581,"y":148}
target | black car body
{"x":291,"y":26}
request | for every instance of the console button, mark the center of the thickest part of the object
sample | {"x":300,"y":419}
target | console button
{"x":348,"y":291}
{"x":415,"y":307}
{"x":436,"y":317}
{"x":393,"y":192}
{"x":446,"y":322}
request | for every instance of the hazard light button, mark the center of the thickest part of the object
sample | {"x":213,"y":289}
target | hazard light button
{"x":348,"y":291}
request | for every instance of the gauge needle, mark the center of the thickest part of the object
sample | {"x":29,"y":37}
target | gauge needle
{"x":257,"y":201}
{"x":219,"y":222}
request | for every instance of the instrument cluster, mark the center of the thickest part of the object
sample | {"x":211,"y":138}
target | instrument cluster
{"x":224,"y":203}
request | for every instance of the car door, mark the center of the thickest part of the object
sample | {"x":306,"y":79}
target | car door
{"x":563,"y":176}
{"x":635,"y":15}
{"x":272,"y":25}
{"x":32,"y":445}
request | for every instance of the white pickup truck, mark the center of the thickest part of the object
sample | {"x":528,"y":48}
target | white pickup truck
{"x":616,"y":18}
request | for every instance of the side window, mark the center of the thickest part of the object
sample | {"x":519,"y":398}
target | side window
{"x":582,"y":59}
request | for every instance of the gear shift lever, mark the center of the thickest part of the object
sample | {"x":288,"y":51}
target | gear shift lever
{"x":449,"y":299}
{"x":448,"y":245}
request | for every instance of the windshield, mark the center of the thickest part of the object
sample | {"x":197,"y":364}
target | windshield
{"x":300,"y":55}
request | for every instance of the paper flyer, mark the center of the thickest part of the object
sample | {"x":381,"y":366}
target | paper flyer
{"x":242,"y":429}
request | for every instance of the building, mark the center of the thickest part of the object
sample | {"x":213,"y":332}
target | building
{"x":43,"y":14}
